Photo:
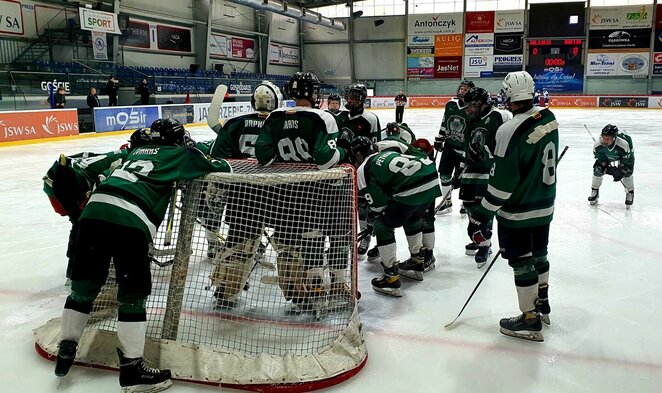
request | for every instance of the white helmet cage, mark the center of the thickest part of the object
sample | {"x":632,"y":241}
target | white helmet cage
{"x":266,"y":97}
{"x":518,"y":86}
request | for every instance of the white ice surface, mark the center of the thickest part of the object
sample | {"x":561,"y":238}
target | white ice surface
{"x":605,"y":287}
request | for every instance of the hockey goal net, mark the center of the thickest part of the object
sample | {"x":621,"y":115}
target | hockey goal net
{"x":258,"y":290}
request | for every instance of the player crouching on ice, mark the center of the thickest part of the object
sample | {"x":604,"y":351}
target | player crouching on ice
{"x":615,"y":148}
{"x":399,"y":189}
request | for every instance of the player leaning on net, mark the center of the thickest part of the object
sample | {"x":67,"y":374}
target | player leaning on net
{"x":482,"y":130}
{"x":614,"y":155}
{"x":303,"y":134}
{"x":399,"y":189}
{"x":361,"y":122}
{"x":70,"y":179}
{"x":245,"y":209}
{"x":119,"y":222}
{"x":451,"y":142}
{"x":521,"y":193}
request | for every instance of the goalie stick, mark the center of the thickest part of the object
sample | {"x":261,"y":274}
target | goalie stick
{"x":491,"y":263}
{"x":214,"y":113}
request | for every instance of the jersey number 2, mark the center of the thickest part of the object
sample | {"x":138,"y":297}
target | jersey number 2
{"x":127,"y":170}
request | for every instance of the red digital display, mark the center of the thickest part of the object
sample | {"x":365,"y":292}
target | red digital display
{"x":549,"y":62}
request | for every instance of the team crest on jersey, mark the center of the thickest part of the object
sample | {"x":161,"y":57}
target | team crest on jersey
{"x":456,"y":126}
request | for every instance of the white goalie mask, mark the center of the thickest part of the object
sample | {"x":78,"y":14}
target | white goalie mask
{"x":518,"y":86}
{"x":266,"y":97}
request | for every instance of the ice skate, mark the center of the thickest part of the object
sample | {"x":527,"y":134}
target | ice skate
{"x":471,"y":249}
{"x":428,"y":259}
{"x":629,"y":199}
{"x":526,"y":326}
{"x":444,"y":207}
{"x":388,"y":283}
{"x":413,"y":268}
{"x":373,"y":255}
{"x":137,"y":377}
{"x":595,"y":195}
{"x":542,"y":304}
{"x":66,"y":354}
{"x":481,"y":255}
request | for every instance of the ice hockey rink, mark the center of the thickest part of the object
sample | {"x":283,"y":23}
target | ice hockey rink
{"x":605,"y":277}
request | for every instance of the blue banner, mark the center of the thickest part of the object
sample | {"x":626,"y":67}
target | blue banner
{"x":119,"y":118}
{"x":566,"y":79}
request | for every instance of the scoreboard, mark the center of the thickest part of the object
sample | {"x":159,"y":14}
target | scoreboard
{"x":555,"y":53}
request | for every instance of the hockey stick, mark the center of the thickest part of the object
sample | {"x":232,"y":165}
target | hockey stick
{"x":565,"y":149}
{"x":171,"y":215}
{"x":214,"y":112}
{"x":363,"y":234}
{"x":443,"y":200}
{"x":474,"y":291}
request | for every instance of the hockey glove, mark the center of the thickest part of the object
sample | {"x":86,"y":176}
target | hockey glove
{"x":439,"y":140}
{"x":616,"y":172}
{"x":478,"y":230}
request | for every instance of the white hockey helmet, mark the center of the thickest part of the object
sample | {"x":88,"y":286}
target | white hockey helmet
{"x":518,"y":86}
{"x":266,"y":97}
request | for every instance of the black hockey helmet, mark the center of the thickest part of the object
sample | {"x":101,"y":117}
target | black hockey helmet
{"x":392,"y":129}
{"x":355,"y":92}
{"x":333,"y":97}
{"x":609,"y":130}
{"x":140,"y":137}
{"x":305,"y":85}
{"x":362,"y":147}
{"x":168,"y":132}
{"x":474,"y":99}
{"x":463,"y":87}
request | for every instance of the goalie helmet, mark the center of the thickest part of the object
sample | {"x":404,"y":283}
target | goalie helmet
{"x":474,"y":100}
{"x":355,"y":96}
{"x":305,"y":85}
{"x":462,"y":89}
{"x":266,"y":97}
{"x":168,"y":132}
{"x":362,"y":147}
{"x":140,"y":137}
{"x":518,"y":86}
{"x":392,"y":129}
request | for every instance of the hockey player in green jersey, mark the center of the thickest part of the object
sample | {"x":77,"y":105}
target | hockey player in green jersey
{"x":118,"y":222}
{"x":399,"y":189}
{"x":451,"y":142}
{"x":486,"y":120}
{"x":614,"y":155}
{"x":70,"y":180}
{"x":245,"y":209}
{"x":521,"y":192}
{"x":397,"y":131}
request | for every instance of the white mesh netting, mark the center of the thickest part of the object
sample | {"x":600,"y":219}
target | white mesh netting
{"x":259,"y":288}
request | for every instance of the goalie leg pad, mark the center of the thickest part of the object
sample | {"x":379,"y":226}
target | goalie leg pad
{"x":232,"y":268}
{"x":290,"y":272}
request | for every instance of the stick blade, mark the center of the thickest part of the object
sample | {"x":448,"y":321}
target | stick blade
{"x":215,"y":107}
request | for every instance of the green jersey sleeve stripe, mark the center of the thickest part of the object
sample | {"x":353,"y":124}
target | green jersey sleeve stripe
{"x":424,"y":187}
{"x":124,"y":205}
{"x":333,"y":161}
{"x":479,"y":176}
{"x":488,"y":206}
{"x":498,"y":193}
{"x":526,"y":215}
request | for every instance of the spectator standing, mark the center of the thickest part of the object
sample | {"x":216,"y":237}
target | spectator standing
{"x":59,"y":100}
{"x":144,"y":92}
{"x":93,"y":99}
{"x":112,"y":86}
{"x":400,"y":102}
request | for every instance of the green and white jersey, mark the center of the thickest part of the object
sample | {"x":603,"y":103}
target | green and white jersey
{"x":87,"y":168}
{"x":456,"y":124}
{"x":365,"y":124}
{"x":137,"y":193}
{"x":238,"y":136}
{"x":299,"y":134}
{"x":483,"y":133}
{"x":621,"y":152}
{"x":341,"y":117}
{"x":405,"y":135}
{"x":205,"y":146}
{"x":386,"y":176}
{"x":397,"y":144}
{"x":522,"y":185}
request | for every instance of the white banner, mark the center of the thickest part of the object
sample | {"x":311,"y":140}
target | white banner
{"x":98,"y":21}
{"x":478,"y":66}
{"x":509,"y":21}
{"x":621,"y":17}
{"x":283,"y":54}
{"x":508,"y":60}
{"x":11,"y":17}
{"x":617,"y":64}
{"x":655,"y":102}
{"x":100,"y":45}
{"x":479,"y":44}
{"x":218,"y":45}
{"x":421,"y":40}
{"x":430,"y":24}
